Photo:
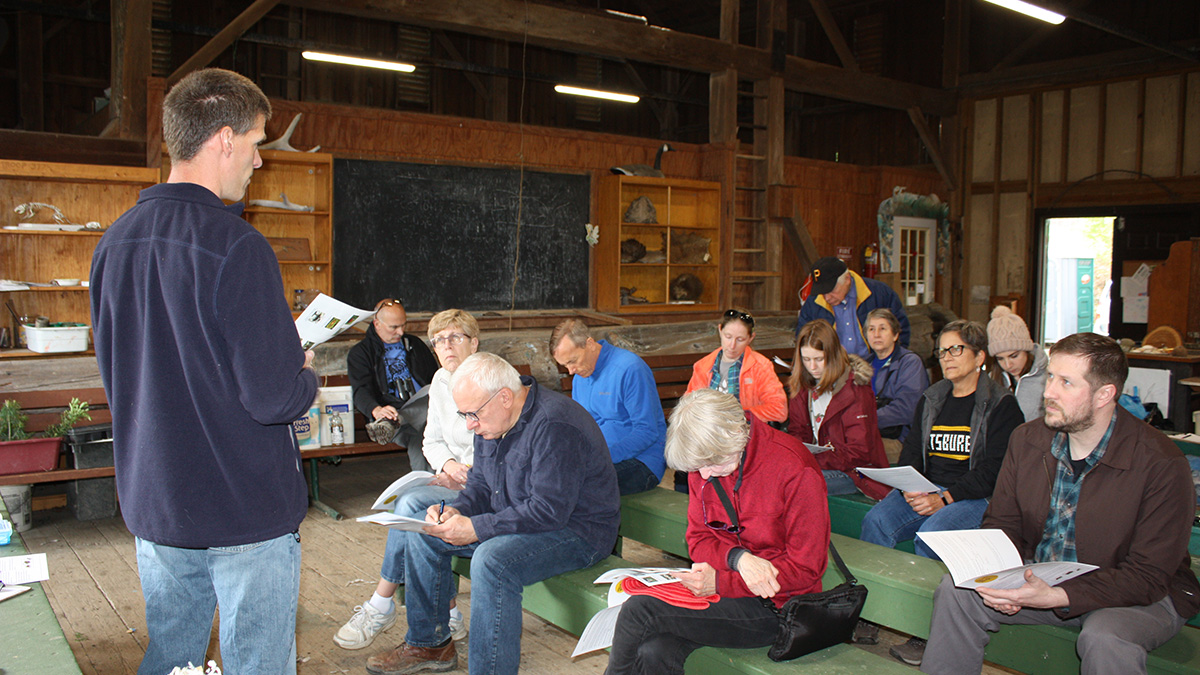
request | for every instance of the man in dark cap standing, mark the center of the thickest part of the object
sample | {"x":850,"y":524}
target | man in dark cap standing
{"x":843,"y":298}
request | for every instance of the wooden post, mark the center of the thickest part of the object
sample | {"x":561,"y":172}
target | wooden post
{"x":30,"y":88}
{"x":130,"y":67}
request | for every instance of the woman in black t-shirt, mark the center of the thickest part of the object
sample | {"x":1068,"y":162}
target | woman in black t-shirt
{"x":959,"y":435}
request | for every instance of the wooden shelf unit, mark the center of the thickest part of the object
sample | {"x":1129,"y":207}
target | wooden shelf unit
{"x":307,"y":180}
{"x":84,"y":192}
{"x":684,"y":208}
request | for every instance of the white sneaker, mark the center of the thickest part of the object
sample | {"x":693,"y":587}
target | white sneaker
{"x":362,"y":628}
{"x":458,"y":627}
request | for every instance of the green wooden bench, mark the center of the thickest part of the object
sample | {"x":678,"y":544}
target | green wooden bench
{"x":569,"y":601}
{"x":901,"y":593}
{"x":846,"y":514}
{"x":34,"y":643}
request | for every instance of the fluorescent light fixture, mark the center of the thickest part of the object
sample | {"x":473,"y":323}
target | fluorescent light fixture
{"x":595,"y":93}
{"x":626,"y":15}
{"x":355,"y":61}
{"x":1030,"y":10}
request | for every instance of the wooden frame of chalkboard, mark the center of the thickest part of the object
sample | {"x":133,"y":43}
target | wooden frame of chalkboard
{"x":440,"y":236}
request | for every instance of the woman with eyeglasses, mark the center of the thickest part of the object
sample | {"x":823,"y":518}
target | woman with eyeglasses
{"x":958,"y":439}
{"x":758,"y":529}
{"x":737,"y":369}
{"x":832,"y":405}
{"x":449,"y":448}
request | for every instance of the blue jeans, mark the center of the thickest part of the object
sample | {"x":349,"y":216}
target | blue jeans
{"x":893,"y":520}
{"x":633,"y":477}
{"x":256,"y":587}
{"x":838,"y":482}
{"x":501,"y":568}
{"x":413,"y":504}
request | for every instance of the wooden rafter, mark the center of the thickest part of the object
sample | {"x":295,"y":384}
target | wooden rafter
{"x":222,"y":40}
{"x":598,"y":33}
{"x":931,"y":144}
{"x":834,"y":34}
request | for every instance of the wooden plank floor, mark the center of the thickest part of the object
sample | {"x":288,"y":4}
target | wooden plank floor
{"x":95,"y":593}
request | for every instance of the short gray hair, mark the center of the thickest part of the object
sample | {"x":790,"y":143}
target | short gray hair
{"x":707,"y":427}
{"x":488,"y":371}
{"x":574,"y":329}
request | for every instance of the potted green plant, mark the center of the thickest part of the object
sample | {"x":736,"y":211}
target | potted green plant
{"x":22,"y":452}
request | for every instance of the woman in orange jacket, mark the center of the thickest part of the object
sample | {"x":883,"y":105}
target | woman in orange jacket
{"x":737,"y":369}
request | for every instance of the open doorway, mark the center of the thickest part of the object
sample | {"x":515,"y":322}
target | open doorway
{"x":1077,"y":282}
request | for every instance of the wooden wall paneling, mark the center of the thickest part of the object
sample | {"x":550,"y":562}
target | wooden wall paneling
{"x":1084,"y":120}
{"x":977,"y":244}
{"x":1012,"y":230}
{"x":1121,"y":127}
{"x":1181,"y":122}
{"x":1014,"y":135}
{"x":1052,"y":131}
{"x":1099,"y":140}
{"x":1141,"y":124}
{"x":1191,"y":128}
{"x":983,"y":141}
{"x":993,"y":264}
{"x":1161,"y":144}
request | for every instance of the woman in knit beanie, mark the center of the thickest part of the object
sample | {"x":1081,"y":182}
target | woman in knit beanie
{"x":1022,"y":364}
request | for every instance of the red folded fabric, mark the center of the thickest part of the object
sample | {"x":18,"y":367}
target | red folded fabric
{"x":672,"y":594}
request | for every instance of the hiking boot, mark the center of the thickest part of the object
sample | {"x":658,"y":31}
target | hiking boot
{"x":362,"y":628}
{"x":865,"y":633}
{"x":458,"y":627}
{"x":910,"y":652}
{"x":409,"y":659}
{"x":382,"y":430}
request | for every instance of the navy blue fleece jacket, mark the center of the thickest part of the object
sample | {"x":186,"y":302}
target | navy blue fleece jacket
{"x":203,"y":371}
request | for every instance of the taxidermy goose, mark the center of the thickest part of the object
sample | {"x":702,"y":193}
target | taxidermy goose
{"x":642,"y":169}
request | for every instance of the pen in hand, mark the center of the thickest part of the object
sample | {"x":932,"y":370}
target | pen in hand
{"x":441,"y":509}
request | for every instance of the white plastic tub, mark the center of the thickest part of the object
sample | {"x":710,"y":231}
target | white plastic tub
{"x":63,"y":339}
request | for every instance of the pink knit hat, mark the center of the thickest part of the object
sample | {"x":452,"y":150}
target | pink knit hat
{"x":1007,"y":332}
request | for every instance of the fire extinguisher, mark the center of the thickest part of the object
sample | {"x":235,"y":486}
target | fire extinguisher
{"x":871,"y":260}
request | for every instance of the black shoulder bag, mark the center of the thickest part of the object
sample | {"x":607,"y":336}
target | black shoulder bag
{"x":814,"y":621}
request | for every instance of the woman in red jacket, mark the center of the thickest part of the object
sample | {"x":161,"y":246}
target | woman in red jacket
{"x":832,"y":405}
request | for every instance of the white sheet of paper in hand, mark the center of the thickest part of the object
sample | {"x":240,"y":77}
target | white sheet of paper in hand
{"x":636,"y":572}
{"x":903,"y":478}
{"x":987,"y":558}
{"x":24,"y":569}
{"x":598,"y":634}
{"x":408,"y":481}
{"x":818,"y":449}
{"x":394,"y":521}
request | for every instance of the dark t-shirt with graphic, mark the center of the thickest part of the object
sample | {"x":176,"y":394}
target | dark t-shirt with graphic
{"x":948,"y":452}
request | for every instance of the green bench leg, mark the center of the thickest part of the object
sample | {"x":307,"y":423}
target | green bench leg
{"x":314,"y":492}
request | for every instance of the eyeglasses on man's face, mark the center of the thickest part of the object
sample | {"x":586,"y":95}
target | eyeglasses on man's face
{"x":474,"y":416}
{"x":451,"y":339}
{"x":952,"y":350}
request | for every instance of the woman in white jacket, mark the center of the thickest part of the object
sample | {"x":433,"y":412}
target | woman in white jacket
{"x":1022,"y":363}
{"x":449,"y":448}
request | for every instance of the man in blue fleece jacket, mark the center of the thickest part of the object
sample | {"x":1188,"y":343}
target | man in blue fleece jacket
{"x":204,"y":373}
{"x":617,"y":388}
{"x":540,"y":500}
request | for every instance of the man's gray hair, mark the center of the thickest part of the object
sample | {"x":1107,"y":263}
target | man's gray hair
{"x":574,"y":329}
{"x":206,"y":101}
{"x":488,"y":371}
{"x":707,"y":427}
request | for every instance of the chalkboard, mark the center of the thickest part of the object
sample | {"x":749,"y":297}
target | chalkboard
{"x":441,"y":236}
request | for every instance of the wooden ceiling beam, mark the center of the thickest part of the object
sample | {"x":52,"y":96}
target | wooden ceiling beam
{"x":587,"y":31}
{"x":221,"y":41}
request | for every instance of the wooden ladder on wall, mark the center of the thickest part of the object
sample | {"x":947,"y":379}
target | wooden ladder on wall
{"x":757,"y":255}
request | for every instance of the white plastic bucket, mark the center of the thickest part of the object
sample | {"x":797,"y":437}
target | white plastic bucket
{"x":18,"y":499}
{"x":340,"y":400}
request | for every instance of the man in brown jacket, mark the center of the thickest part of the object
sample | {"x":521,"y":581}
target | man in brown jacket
{"x":1087,"y":483}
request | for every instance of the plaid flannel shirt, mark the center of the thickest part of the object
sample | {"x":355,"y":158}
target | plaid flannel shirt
{"x":1058,"y":534}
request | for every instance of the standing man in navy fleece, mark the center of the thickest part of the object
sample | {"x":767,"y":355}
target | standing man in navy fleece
{"x":204,"y":372}
{"x":541,"y":500}
{"x":617,"y":388}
